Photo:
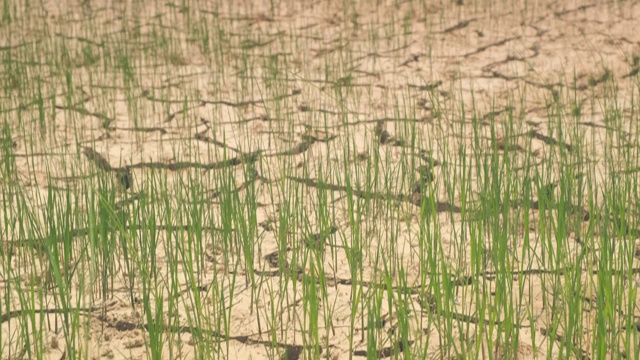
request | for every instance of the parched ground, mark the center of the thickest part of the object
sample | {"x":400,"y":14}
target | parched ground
{"x":252,"y":179}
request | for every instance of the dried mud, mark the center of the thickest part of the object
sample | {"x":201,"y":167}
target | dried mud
{"x":441,"y":70}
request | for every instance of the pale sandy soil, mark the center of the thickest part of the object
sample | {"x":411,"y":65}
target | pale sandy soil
{"x":498,"y":58}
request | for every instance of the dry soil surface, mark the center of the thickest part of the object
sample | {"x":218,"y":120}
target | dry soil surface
{"x":230,"y":104}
